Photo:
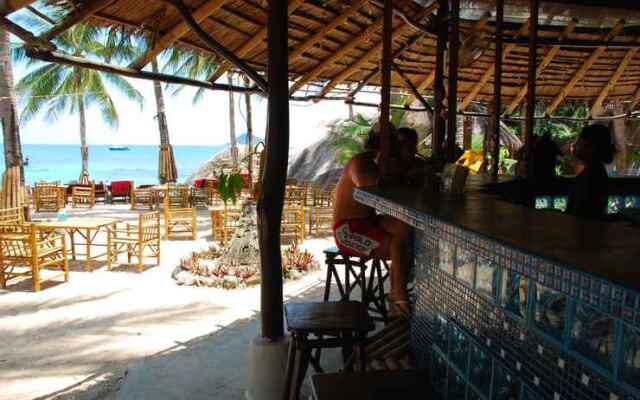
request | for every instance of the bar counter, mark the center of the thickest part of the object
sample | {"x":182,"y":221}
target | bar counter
{"x":518,"y":303}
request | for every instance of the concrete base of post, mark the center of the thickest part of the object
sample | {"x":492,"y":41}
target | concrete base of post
{"x":267,"y":365}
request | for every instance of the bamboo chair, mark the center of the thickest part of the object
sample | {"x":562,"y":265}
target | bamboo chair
{"x":134,"y":239}
{"x":48,"y":197}
{"x":83,"y":196}
{"x":224,"y":223}
{"x":25,"y":250}
{"x":143,"y":198}
{"x":321,"y":216}
{"x":12,"y":216}
{"x":181,"y":221}
{"x":179,"y":196}
{"x":292,"y":226}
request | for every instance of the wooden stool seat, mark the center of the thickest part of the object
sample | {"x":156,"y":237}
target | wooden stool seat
{"x":354,"y":271}
{"x":318,"y":326}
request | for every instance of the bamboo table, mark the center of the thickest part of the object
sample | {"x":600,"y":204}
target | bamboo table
{"x":87,"y":228}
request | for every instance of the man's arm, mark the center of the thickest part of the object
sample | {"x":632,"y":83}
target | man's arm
{"x":364,"y":173}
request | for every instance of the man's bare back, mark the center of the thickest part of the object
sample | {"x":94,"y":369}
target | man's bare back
{"x":360,"y":171}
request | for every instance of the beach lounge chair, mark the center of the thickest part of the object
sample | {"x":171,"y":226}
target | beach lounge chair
{"x":121,"y":190}
{"x":293,"y":224}
{"x":179,"y":221}
{"x":203,"y":192}
{"x":134,"y":239}
{"x":83,"y":196}
{"x":26,"y":250}
{"x":143,"y":198}
{"x":49,"y":197}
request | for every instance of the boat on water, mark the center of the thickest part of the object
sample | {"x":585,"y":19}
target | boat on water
{"x":119,"y":148}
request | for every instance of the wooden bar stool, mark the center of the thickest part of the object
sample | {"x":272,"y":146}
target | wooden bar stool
{"x":318,"y":326}
{"x":355,"y":268}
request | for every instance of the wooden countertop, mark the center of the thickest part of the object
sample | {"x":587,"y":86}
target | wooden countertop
{"x":610,"y":251}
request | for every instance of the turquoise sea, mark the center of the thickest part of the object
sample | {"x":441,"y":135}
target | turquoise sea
{"x":139,"y":163}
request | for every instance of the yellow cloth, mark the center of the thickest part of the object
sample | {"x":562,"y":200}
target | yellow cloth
{"x":473,"y":160}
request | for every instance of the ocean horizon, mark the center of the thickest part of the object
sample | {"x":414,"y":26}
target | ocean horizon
{"x":62,"y":162}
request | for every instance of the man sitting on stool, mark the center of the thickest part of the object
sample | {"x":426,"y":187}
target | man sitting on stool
{"x":358,"y":231}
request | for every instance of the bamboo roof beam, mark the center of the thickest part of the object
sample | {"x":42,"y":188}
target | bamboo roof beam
{"x":371,"y":54}
{"x":320,"y":34}
{"x":28,"y":37}
{"x":341,"y":52}
{"x":86,"y":10}
{"x":596,"y":108}
{"x":66,"y":59}
{"x":216,"y":46}
{"x":428,"y":80}
{"x":634,"y":101}
{"x":584,"y":68}
{"x":175,"y":33}
{"x":9,"y":6}
{"x":488,"y":73}
{"x":252,"y":43}
{"x":543,"y":65}
{"x":411,"y":87}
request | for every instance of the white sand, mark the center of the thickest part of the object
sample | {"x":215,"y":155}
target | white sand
{"x":74,"y":340}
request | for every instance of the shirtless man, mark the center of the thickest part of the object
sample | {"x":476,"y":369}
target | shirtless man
{"x":359,"y":231}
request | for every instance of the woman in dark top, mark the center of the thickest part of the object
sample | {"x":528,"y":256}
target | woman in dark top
{"x":588,"y":197}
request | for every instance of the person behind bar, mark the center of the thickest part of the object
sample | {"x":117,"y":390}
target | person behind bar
{"x":544,"y":159}
{"x":416,"y":170}
{"x":588,"y":197}
{"x":359,"y":231}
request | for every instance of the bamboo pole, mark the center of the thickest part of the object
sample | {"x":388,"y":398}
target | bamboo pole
{"x":86,"y":10}
{"x":497,"y":90}
{"x":596,"y":108}
{"x":385,"y":92}
{"x":275,"y":173}
{"x":452,"y":95}
{"x":437,"y":76}
{"x":531,"y":81}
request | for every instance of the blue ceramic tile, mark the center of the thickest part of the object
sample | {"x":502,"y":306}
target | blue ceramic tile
{"x":439,"y":373}
{"x":592,"y":335}
{"x":480,"y":370}
{"x":630,"y":369}
{"x":513,"y":296}
{"x":550,"y":311}
{"x":455,"y":386}
{"x":440,"y":333}
{"x":505,"y":385}
{"x":459,"y":349}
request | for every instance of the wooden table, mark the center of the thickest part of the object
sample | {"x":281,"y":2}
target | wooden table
{"x":87,"y":228}
{"x":373,"y":385}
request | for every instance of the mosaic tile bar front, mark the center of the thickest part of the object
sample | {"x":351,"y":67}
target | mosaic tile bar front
{"x":492,"y":322}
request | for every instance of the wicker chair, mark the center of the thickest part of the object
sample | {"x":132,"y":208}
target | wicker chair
{"x":224,"y":223}
{"x":179,"y":221}
{"x":83,"y":196}
{"x":48,"y":197}
{"x":25,"y":250}
{"x":143,"y":198}
{"x":179,"y":196}
{"x":134,"y":239}
{"x":321,"y":215}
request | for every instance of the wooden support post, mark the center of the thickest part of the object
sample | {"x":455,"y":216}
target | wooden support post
{"x":274,"y":176}
{"x":497,"y":91}
{"x":452,"y":95}
{"x":531,"y":82}
{"x":216,"y":46}
{"x":467,"y":127}
{"x":437,"y":137}
{"x":385,"y":91}
{"x":249,"y":116}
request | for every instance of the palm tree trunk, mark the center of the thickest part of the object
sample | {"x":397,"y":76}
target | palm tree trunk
{"x":247,"y":101}
{"x":8,"y":109}
{"x":232,"y":125}
{"x":163,"y":128}
{"x":84,"y":149}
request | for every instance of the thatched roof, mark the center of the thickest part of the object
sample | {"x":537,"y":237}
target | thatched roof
{"x":335,"y":42}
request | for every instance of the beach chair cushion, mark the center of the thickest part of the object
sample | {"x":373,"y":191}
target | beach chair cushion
{"x":121,"y":188}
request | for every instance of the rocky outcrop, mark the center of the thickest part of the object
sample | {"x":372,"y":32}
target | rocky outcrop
{"x":317,"y":163}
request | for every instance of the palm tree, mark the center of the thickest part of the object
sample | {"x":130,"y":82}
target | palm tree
{"x":8,"y":109}
{"x":167,"y":171}
{"x":232,"y":124}
{"x":57,"y":89}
